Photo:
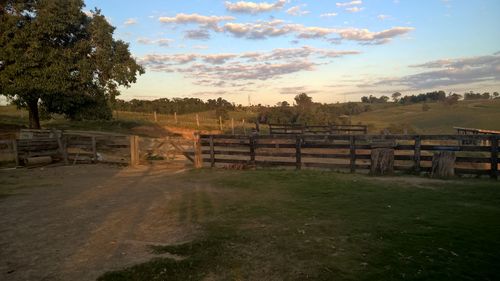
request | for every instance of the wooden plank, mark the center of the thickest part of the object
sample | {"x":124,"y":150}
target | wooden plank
{"x":494,"y":157}
{"x":212,"y":154}
{"x":455,"y":148}
{"x":264,"y":163}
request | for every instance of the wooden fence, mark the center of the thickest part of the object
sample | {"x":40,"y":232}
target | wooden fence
{"x":73,"y":147}
{"x":292,"y":129}
{"x":351,"y":152}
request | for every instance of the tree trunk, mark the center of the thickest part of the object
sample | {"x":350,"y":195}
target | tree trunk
{"x":34,"y":116}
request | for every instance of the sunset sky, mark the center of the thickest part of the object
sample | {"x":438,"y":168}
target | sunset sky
{"x":334,"y":51}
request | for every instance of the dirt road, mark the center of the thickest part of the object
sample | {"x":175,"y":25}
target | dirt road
{"x":77,"y":222}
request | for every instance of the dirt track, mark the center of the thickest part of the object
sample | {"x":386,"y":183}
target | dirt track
{"x":77,"y":222}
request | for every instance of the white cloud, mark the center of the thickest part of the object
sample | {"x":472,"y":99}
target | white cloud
{"x":253,"y":7}
{"x":328,"y":15}
{"x":207,"y":21}
{"x":296,"y":11}
{"x":130,"y":21}
{"x":160,"y":42}
{"x":449,"y":72}
{"x":347,"y":4}
{"x":354,"y":9}
{"x":383,"y":17}
{"x":218,"y":69}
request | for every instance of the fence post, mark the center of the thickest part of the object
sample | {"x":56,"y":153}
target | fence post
{"x":232,"y":125}
{"x":94,"y":150}
{"x":198,"y":158}
{"x":252,"y":149}
{"x":212,"y":152}
{"x":154,"y":114}
{"x":175,"y":117}
{"x":243,"y":125}
{"x":220,"y":122}
{"x":62,"y":148}
{"x":416,"y":155}
{"x":134,"y":151}
{"x":298,"y":154}
{"x":352,"y":152}
{"x":197,"y":121}
{"x":14,"y":148}
{"x":494,"y":157}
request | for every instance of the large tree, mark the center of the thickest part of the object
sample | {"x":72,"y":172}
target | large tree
{"x":53,"y":54}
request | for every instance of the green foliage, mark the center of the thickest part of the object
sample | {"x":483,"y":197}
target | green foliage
{"x":169,"y":106}
{"x":54,"y":53}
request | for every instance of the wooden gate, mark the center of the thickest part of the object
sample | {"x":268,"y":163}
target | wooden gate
{"x":166,"y":150}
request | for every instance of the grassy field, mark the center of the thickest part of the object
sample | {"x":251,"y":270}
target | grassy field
{"x":440,"y":118}
{"x":311,"y":225}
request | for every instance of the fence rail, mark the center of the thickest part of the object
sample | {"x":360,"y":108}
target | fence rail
{"x":352,"y":152}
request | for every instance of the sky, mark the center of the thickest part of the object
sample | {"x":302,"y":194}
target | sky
{"x":269,"y":51}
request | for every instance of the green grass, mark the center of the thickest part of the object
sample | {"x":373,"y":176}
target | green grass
{"x":440,"y":118}
{"x":313,"y":225}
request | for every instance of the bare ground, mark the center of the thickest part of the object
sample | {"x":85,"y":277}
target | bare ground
{"x":77,"y":222}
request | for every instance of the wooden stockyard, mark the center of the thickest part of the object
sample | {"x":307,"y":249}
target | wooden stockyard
{"x":72,"y":147}
{"x":412,"y":153}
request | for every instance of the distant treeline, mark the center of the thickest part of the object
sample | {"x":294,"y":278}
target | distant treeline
{"x":430,"y":97}
{"x":305,"y":111}
{"x":169,"y":106}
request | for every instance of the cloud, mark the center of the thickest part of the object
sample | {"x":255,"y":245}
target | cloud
{"x":159,"y":42}
{"x":260,"y":29}
{"x":296,"y":11}
{"x":329,"y":15}
{"x":448,"y":72}
{"x":383,"y":17}
{"x":207,"y":21}
{"x":347,"y":4}
{"x":130,"y":21}
{"x":354,"y":9}
{"x":197,"y":34}
{"x":296,"y":90}
{"x":218,"y":58}
{"x":370,"y":38}
{"x":218,"y":69}
{"x":245,"y":7}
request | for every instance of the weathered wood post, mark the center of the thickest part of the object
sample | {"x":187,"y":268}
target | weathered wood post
{"x":443,"y":164}
{"x":134,"y":151}
{"x":212,"y":152}
{"x":175,"y":117}
{"x":61,"y":143}
{"x":15,"y":151}
{"x":232,"y":125}
{"x":494,"y":157}
{"x":243,"y":125}
{"x":94,"y":150}
{"x":154,"y":114}
{"x":416,"y":155}
{"x":298,"y":153}
{"x":197,"y":121}
{"x":252,"y":149}
{"x":198,"y":157}
{"x":220,"y":122}
{"x":352,"y":152}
